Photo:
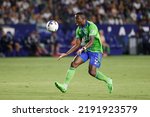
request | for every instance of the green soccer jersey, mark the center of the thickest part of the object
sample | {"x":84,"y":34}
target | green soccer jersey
{"x":83,"y":33}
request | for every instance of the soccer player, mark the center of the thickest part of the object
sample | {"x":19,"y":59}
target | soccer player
{"x":89,"y":47}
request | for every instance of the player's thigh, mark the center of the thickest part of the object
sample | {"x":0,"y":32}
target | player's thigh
{"x":95,"y":59}
{"x":95,"y":62}
{"x":79,"y":59}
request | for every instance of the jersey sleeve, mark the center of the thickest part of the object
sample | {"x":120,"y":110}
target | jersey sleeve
{"x":92,"y":30}
{"x":78,"y":35}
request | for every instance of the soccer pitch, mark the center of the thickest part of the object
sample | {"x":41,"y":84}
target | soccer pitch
{"x":33,"y":79}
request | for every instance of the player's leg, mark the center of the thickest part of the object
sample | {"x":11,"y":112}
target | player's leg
{"x":95,"y":62}
{"x":78,"y":60}
{"x":71,"y":71}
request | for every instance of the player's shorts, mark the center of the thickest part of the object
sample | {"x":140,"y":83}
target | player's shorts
{"x":94,"y":57}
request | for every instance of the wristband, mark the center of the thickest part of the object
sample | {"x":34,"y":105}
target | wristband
{"x":84,"y":48}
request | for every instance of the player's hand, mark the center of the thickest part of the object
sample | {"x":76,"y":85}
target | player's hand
{"x":79,"y":51}
{"x":61,"y":56}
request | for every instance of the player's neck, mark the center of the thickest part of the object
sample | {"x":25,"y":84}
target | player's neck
{"x":84,"y":23}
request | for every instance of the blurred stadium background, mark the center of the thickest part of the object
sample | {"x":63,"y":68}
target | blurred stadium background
{"x":125,"y":23}
{"x":125,"y":26}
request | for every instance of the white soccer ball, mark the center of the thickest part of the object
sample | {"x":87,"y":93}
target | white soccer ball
{"x":52,"y":26}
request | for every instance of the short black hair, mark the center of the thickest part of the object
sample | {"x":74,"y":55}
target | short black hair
{"x":81,"y":14}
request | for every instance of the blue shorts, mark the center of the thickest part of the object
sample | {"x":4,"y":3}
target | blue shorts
{"x":95,"y":58}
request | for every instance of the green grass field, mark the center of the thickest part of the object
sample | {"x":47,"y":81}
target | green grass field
{"x":33,"y":79}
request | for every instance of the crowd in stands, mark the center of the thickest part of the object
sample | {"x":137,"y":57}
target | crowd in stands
{"x":38,"y":12}
{"x":102,"y":11}
{"x":29,"y":45}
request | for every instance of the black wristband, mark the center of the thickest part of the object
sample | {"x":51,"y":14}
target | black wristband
{"x":84,"y":48}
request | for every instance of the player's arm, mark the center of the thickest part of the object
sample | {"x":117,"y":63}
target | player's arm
{"x":92,"y":33}
{"x":89,"y":44}
{"x":74,"y":48}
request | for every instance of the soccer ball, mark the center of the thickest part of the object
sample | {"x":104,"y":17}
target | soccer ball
{"x":52,"y":26}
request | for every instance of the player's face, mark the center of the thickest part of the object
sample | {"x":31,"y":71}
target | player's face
{"x":78,"y":20}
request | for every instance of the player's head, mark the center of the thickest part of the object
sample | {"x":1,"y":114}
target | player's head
{"x":80,"y":18}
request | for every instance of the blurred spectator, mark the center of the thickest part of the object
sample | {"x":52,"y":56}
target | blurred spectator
{"x":1,"y":52}
{"x":106,"y":47}
{"x":33,"y":45}
{"x":6,"y":44}
{"x":54,"y":44}
{"x":143,"y":41}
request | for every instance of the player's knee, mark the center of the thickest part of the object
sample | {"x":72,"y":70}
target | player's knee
{"x":92,"y":73}
{"x":74,"y":64}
